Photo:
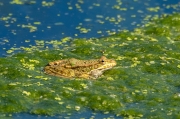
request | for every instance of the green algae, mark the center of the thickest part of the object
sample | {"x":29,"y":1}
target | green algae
{"x":144,"y":84}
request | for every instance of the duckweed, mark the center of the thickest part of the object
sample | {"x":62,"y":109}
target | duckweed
{"x":144,"y":84}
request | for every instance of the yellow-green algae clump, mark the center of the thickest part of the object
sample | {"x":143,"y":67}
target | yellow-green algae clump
{"x":145,"y":83}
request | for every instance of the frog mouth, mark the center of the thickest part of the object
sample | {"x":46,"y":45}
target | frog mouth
{"x":107,"y":66}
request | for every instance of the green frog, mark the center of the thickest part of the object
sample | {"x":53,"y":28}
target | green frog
{"x":75,"y":68}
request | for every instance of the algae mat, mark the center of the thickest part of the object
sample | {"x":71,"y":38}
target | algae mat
{"x":144,"y":84}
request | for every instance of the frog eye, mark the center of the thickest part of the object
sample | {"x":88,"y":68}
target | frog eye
{"x":55,"y":63}
{"x":102,"y":60}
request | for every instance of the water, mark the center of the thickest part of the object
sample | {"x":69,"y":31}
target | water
{"x":65,"y":18}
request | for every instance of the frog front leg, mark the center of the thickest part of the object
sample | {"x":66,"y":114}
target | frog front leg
{"x":94,"y":74}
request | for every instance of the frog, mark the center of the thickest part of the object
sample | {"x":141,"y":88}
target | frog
{"x":76,"y":68}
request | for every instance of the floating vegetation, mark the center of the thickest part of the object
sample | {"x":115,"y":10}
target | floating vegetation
{"x":144,"y":84}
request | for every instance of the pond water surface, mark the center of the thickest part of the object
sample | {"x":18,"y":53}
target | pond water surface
{"x":24,"y":23}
